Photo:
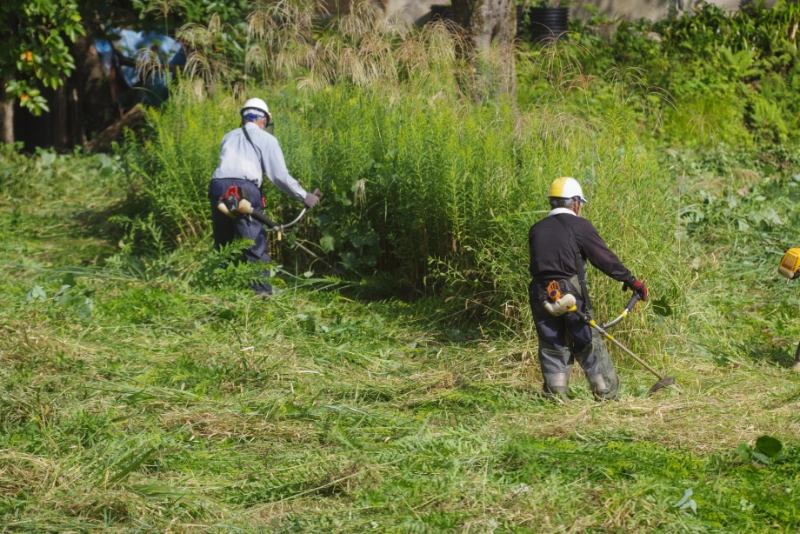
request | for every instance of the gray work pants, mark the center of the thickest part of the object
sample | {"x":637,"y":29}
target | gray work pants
{"x":566,"y":338}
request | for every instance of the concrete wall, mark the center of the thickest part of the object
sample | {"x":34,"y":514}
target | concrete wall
{"x":416,"y":10}
{"x":647,"y":9}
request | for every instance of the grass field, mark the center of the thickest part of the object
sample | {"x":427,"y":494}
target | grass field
{"x":143,"y":388}
{"x":146,"y":395}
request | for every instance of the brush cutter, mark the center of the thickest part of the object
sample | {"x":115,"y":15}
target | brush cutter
{"x":560,"y":304}
{"x":235,"y":203}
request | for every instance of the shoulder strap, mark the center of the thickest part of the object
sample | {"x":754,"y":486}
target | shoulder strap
{"x":580,"y":266}
{"x":260,"y":155}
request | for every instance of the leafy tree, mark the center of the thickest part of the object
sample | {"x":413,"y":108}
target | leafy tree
{"x":35,"y":54}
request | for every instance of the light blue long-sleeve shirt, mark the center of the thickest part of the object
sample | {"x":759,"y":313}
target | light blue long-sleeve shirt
{"x":237,"y":159}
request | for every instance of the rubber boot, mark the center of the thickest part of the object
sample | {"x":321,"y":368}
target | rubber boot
{"x":556,"y":366}
{"x":599,"y":369}
{"x":556,"y":386}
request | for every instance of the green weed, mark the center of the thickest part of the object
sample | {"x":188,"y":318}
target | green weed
{"x":190,"y":405}
{"x":434,"y":191}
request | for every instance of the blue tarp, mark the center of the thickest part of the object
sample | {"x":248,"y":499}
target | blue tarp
{"x":129,"y":43}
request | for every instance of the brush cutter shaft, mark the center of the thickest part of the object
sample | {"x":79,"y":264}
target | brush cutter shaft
{"x":263,"y":219}
{"x":272,"y":227}
{"x":632,"y":355}
{"x":608,"y":336}
{"x":266,"y":221}
{"x":275,"y":228}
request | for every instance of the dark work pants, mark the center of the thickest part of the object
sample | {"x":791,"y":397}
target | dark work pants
{"x":227,"y":229}
{"x":566,"y":338}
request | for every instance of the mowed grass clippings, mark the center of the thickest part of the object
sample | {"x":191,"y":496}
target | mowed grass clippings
{"x":171,"y":406}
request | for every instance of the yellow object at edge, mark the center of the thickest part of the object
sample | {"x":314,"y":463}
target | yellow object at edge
{"x":790,"y":263}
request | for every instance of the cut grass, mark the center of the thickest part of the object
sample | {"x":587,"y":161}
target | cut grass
{"x":180,"y":408}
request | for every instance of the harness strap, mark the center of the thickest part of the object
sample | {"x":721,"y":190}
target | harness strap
{"x":258,"y":151}
{"x":579,"y":263}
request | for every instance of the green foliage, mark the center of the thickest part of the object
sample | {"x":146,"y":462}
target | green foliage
{"x":740,"y":213}
{"x":178,"y":12}
{"x":434,"y":190}
{"x":35,"y":54}
{"x":180,"y":401}
{"x":143,"y":386}
{"x":67,"y":297}
{"x":596,"y":18}
{"x":767,"y":451}
{"x":729,"y":73}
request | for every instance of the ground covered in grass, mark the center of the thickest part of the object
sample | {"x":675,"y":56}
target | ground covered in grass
{"x":142,"y":395}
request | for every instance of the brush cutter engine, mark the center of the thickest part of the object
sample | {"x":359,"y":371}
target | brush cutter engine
{"x":790,"y":268}
{"x":236,"y":204}
{"x":556,"y":303}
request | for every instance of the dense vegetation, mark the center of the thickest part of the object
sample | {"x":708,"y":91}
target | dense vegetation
{"x":142,"y":387}
{"x":729,"y":77}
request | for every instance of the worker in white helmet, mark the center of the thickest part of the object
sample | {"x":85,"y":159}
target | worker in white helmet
{"x":560,"y":244}
{"x":248,"y":154}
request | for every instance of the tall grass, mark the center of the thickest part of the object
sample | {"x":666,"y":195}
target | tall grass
{"x":428,"y":187}
{"x":423,"y":182}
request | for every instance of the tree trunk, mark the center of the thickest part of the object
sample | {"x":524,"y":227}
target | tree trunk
{"x":131,"y":119}
{"x":6,"y":118}
{"x":491,"y":26}
{"x":61,"y":121}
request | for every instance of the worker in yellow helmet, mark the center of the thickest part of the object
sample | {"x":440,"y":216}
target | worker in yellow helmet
{"x":560,"y":244}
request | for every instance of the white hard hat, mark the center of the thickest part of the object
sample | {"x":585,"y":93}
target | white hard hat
{"x":566,"y":187}
{"x":255,"y":103}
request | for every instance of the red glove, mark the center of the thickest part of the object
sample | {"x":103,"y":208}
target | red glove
{"x":639,"y":288}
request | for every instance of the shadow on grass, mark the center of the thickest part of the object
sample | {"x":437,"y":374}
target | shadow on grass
{"x":104,"y":223}
{"x":769,"y":353}
{"x":453,"y":318}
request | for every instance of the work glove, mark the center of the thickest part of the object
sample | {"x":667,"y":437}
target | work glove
{"x":311,"y":200}
{"x":639,"y":288}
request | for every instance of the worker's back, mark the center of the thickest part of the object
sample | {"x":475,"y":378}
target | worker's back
{"x":562,"y":239}
{"x":553,"y":248}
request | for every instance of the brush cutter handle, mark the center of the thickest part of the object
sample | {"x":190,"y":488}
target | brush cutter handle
{"x":272,"y":227}
{"x":633,"y":302}
{"x":628,"y":308}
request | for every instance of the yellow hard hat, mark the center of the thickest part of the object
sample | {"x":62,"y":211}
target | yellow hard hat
{"x":566,"y":187}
